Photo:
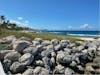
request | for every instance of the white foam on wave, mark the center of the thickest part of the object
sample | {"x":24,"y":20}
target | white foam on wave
{"x":83,"y":35}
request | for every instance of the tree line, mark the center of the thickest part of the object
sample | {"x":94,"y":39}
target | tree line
{"x":6,"y":24}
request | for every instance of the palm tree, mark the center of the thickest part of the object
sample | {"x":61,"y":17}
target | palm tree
{"x":2,"y":18}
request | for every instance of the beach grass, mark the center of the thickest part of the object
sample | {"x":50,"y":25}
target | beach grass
{"x":18,"y":34}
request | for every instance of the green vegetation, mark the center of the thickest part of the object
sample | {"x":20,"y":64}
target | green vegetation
{"x":18,"y":34}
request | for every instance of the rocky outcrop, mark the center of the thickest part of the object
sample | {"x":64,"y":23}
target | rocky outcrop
{"x":43,"y":57}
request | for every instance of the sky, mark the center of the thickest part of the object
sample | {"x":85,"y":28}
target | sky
{"x":52,"y":14}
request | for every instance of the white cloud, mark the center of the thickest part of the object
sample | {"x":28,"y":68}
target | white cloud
{"x":81,"y":27}
{"x":24,"y":24}
{"x":20,"y":18}
{"x":85,"y":26}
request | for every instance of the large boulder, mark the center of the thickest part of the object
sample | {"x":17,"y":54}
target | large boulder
{"x":20,"y":45}
{"x":3,"y":53}
{"x":26,"y":59}
{"x":17,"y":67}
{"x":29,"y":72}
{"x":64,"y":43}
{"x":46,"y":43}
{"x":6,"y":65}
{"x":40,"y":71}
{"x":13,"y":56}
{"x":69,"y":71}
{"x":97,"y":60}
{"x":55,"y":41}
{"x":63,"y":58}
{"x":38,"y":39}
{"x":8,"y":40}
{"x":59,"y":69}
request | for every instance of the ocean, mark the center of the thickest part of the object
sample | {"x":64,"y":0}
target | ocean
{"x":87,"y":34}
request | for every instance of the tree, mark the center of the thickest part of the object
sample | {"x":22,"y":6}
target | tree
{"x":2,"y":18}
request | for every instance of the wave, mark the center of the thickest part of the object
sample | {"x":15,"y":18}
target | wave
{"x":84,"y":35}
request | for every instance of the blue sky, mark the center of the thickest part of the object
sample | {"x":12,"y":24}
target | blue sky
{"x":53,"y":14}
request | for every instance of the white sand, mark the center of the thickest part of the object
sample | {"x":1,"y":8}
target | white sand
{"x":87,"y":39}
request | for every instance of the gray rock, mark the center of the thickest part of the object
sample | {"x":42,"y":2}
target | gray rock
{"x":9,"y":39}
{"x":37,"y":70}
{"x":73,"y":64}
{"x":29,"y":50}
{"x":29,"y":72}
{"x":25,"y":38}
{"x":20,"y":45}
{"x":39,"y":63}
{"x":3,"y":53}
{"x":69,"y":71}
{"x":80,"y":69}
{"x":46,"y":62}
{"x":35,"y":43}
{"x":44,"y":72}
{"x":38,"y":39}
{"x":55,"y":41}
{"x":58,"y":47}
{"x":89,"y":68}
{"x":64,"y":43}
{"x":60,"y":56}
{"x":26,"y":59}
{"x":40,"y":71}
{"x":63,"y":58}
{"x":59,"y":69}
{"x":6,"y":64}
{"x":46,"y":43}
{"x":13,"y":56}
{"x":53,"y":54}
{"x":97,"y":60}
{"x":17,"y":67}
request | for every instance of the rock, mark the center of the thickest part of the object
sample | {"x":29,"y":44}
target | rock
{"x":64,"y":43}
{"x":26,"y":59}
{"x":59,"y":69}
{"x":79,"y":69}
{"x":6,"y":65}
{"x":46,"y":62}
{"x":60,"y":56}
{"x":37,"y":70}
{"x":3,"y":53}
{"x":44,"y":72}
{"x":69,"y":71}
{"x":89,"y":68}
{"x":73,"y":64}
{"x":57,"y":48}
{"x":38,"y":39}
{"x":97,"y":60}
{"x":25,"y":38}
{"x":8,"y":40}
{"x":20,"y":45}
{"x":67,"y":51}
{"x":46,"y":43}
{"x":30,"y":49}
{"x":35,"y":43}
{"x":53,"y":54}
{"x":29,"y":72}
{"x":84,"y":58}
{"x":13,"y":56}
{"x":63,"y":58}
{"x":55,"y":41}
{"x":17,"y":67}
{"x":18,"y":74}
{"x":39,"y":63}
{"x":40,"y":71}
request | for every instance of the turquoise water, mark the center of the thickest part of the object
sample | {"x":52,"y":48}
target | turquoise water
{"x":87,"y":34}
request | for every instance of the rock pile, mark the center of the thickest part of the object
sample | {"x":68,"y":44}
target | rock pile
{"x":30,"y":57}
